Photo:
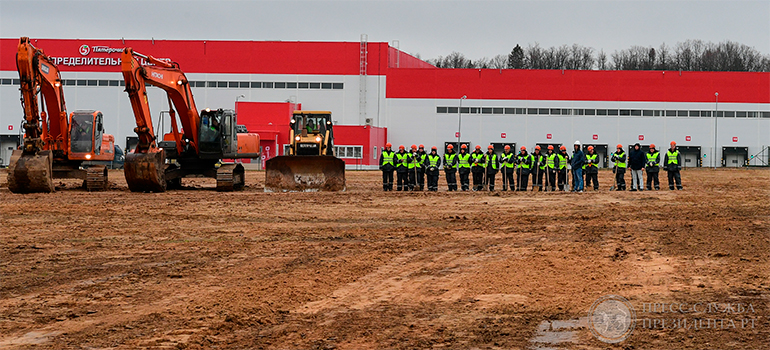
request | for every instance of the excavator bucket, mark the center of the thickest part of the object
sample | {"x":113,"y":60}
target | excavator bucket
{"x":145,"y":172}
{"x":304,"y":174}
{"x":31,"y":173}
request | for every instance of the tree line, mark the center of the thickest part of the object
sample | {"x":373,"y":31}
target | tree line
{"x":690,"y":55}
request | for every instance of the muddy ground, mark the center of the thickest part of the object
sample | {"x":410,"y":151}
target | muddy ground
{"x":197,"y":269}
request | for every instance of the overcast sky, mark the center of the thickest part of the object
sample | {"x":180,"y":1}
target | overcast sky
{"x":428,"y":28}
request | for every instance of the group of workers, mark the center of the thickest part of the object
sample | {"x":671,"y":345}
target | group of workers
{"x":548,"y":170}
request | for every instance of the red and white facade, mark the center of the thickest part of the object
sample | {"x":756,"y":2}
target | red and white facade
{"x":377,"y":93}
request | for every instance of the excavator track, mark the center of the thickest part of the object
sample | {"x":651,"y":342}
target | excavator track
{"x":31,"y":173}
{"x":145,"y":172}
{"x":96,"y":178}
{"x":230,"y":177}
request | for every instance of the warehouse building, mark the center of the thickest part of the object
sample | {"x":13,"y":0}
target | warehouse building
{"x":377,"y":93}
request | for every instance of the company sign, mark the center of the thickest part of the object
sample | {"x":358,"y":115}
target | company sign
{"x":596,"y":136}
{"x":641,"y":137}
{"x":549,"y":136}
{"x":84,"y":60}
{"x":10,"y":127}
{"x":688,"y":138}
{"x":735,"y":138}
{"x":502,"y":135}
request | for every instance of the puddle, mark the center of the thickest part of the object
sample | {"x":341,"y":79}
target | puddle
{"x":551,"y":335}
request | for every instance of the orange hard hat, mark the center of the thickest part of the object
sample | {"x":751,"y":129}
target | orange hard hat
{"x":422,"y":146}
{"x":590,"y":148}
{"x":620,"y":146}
{"x":388,"y":145}
{"x":400,"y":146}
{"x":563,"y":148}
{"x":550,"y":147}
{"x":434,"y":148}
{"x":490,"y":147}
{"x":673,"y":143}
{"x":652,"y":145}
{"x":537,"y":148}
{"x":507,"y":147}
{"x":414,"y":146}
{"x":523,"y":148}
{"x":478,"y":146}
{"x":450,"y":147}
{"x":464,"y":146}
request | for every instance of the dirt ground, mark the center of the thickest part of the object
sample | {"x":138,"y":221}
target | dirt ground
{"x":198,"y":269}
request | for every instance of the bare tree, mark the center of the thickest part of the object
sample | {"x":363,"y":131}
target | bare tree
{"x":601,"y":61}
{"x":499,"y":62}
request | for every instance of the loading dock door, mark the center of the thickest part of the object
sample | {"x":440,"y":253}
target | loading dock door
{"x":500,"y":147}
{"x":457,"y":149}
{"x":734,"y":157}
{"x":691,"y":156}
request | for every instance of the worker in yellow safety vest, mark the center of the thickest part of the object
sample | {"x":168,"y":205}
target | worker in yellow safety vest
{"x":673,"y":164}
{"x":492,"y":164}
{"x":402,"y":169}
{"x":464,"y":159}
{"x":450,"y":168}
{"x":524,"y":162}
{"x":592,"y":168}
{"x":507,"y":165}
{"x":387,"y":165}
{"x":432,"y":162}
{"x":619,"y":158}
{"x":478,"y":164}
{"x":652,"y":168}
{"x":538,"y":169}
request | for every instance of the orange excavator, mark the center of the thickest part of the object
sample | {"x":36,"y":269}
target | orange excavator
{"x":54,"y":146}
{"x":197,"y":149}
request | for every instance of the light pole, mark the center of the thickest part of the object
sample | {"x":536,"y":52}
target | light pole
{"x":716,"y":111}
{"x":459,"y":124}
{"x":236,"y":101}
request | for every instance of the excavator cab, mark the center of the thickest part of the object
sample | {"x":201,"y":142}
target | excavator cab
{"x":84,"y":129}
{"x":217,"y":134}
{"x":310,"y":164}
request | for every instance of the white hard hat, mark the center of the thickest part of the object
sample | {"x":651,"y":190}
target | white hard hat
{"x":577,"y":143}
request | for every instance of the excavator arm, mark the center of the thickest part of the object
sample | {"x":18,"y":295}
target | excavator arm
{"x":44,"y":130}
{"x":167,"y":76}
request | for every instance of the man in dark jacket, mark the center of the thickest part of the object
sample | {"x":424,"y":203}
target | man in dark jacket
{"x":673,"y":163}
{"x":432,"y":162}
{"x":492,"y":164}
{"x":636,"y":160}
{"x":578,"y":160}
{"x":592,"y":168}
{"x":652,"y":167}
{"x":403,"y":160}
{"x":450,"y":168}
{"x":478,"y":162}
{"x":524,"y":162}
{"x":387,"y":165}
{"x":619,"y":158}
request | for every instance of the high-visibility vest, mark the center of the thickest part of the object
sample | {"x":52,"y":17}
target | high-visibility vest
{"x":508,"y":158}
{"x":550,"y":160}
{"x":401,"y":160}
{"x":653,"y":157}
{"x":590,"y":157}
{"x":492,"y":159}
{"x":387,"y":157}
{"x":620,"y":164}
{"x":420,"y":159}
{"x":449,"y":158}
{"x":539,"y":161}
{"x":433,"y":160}
{"x":562,"y":161}
{"x":413,"y":163}
{"x":479,"y":157}
{"x":464,"y":160}
{"x":523,"y":165}
{"x":672,"y":157}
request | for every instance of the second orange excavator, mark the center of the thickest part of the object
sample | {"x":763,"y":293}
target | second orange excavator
{"x":197,"y":149}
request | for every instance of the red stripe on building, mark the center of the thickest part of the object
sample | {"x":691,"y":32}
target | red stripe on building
{"x":574,"y":85}
{"x":232,"y":57}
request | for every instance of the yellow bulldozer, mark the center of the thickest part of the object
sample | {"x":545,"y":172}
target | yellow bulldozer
{"x":311,"y":164}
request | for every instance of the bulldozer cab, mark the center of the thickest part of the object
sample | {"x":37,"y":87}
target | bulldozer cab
{"x":312,"y":133}
{"x":217,"y":130}
{"x":85,"y":127}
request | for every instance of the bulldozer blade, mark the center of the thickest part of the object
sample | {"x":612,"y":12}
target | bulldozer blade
{"x":145,"y":172}
{"x":31,"y":173}
{"x":304,"y":174}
